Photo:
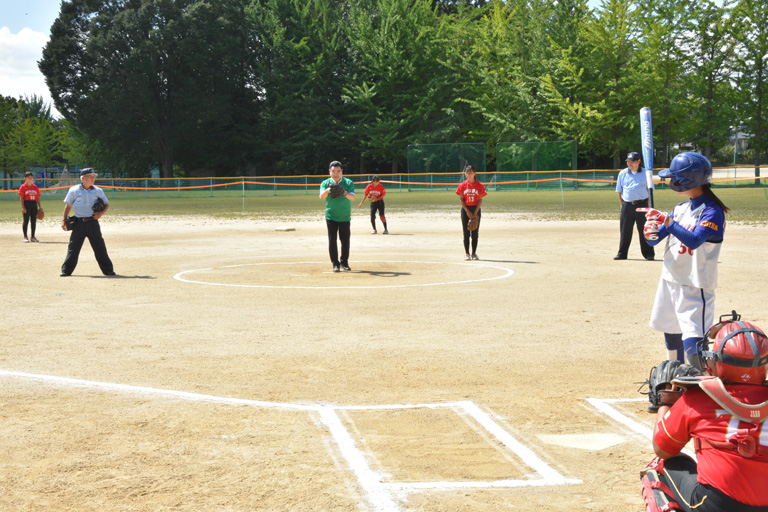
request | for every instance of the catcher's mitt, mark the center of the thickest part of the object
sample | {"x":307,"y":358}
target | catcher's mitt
{"x":99,"y":205}
{"x":336,"y":190}
{"x":473,"y":223}
{"x":40,"y":214}
{"x":660,"y":382}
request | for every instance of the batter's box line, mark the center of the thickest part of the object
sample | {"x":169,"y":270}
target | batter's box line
{"x":379,"y":494}
{"x":604,"y":406}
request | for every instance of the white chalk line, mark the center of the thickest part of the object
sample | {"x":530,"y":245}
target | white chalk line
{"x":507,"y":273}
{"x":603,"y":405}
{"x":377,"y":491}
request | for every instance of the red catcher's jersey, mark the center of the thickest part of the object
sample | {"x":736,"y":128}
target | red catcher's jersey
{"x":29,"y":192}
{"x":695,"y":414}
{"x":472,"y":192}
{"x":375,"y":190}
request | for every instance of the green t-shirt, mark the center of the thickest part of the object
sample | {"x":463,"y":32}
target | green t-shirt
{"x":338,"y":209}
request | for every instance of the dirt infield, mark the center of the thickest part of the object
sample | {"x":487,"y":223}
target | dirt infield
{"x":226,"y":368}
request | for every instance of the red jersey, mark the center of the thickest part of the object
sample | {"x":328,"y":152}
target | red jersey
{"x":695,"y":414}
{"x":471,"y":192}
{"x":29,"y":192}
{"x":375,"y":190}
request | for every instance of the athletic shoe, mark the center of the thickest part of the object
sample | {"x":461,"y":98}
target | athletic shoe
{"x":345,"y":267}
{"x":373,"y":232}
{"x":336,"y":268}
{"x":35,"y":239}
{"x":652,"y":408}
{"x":64,"y":274}
{"x":474,"y":256}
{"x":467,"y":257}
{"x":385,"y":232}
{"x":26,"y":240}
{"x":109,"y":273}
{"x":619,"y":257}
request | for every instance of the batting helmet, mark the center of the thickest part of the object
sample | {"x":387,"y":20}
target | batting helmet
{"x":740,"y":353}
{"x":688,"y":170}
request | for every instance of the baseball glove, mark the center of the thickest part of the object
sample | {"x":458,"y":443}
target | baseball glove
{"x":336,"y":191}
{"x":473,"y":223}
{"x":99,"y":205}
{"x":660,"y":382}
{"x":70,"y":223}
{"x":40,"y":214}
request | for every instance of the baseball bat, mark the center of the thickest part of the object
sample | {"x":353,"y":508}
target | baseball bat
{"x":646,"y":136}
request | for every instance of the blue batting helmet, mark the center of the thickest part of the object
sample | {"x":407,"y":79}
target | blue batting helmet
{"x":688,"y":170}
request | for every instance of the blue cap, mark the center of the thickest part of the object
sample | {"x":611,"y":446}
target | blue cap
{"x":633,"y":155}
{"x":87,"y":171}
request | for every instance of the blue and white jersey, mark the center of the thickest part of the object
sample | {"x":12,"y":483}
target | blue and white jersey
{"x":82,"y":200}
{"x":693,"y":246}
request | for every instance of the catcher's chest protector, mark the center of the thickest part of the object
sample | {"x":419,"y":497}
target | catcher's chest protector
{"x":741,"y":439}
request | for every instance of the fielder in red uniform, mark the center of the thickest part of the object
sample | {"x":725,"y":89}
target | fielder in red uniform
{"x":375,"y":193}
{"x":30,"y":204}
{"x":471,"y":193}
{"x":725,"y":416}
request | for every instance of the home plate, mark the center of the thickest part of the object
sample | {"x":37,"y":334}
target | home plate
{"x":285,"y":228}
{"x":599,"y":441}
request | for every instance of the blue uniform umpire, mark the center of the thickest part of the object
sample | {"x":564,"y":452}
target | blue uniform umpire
{"x":80,"y":200}
{"x":632,"y":188}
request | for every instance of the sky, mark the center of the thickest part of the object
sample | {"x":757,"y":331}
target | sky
{"x":24,"y":30}
{"x":25,"y":27}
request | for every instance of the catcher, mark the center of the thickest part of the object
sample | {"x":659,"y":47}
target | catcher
{"x":338,"y":192}
{"x":724,"y":413}
{"x":471,"y":193}
{"x":375,"y":193}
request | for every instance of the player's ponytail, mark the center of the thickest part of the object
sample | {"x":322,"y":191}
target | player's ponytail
{"x":711,"y":195}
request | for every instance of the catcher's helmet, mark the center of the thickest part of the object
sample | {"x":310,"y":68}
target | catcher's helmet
{"x":740,"y":353}
{"x":688,"y":170}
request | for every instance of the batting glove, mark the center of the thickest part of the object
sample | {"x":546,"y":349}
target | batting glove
{"x":651,"y":230}
{"x":654,"y":215}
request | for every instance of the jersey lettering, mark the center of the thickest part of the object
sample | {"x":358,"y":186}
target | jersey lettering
{"x":711,"y":225}
{"x":683,"y":249}
{"x":733,"y":428}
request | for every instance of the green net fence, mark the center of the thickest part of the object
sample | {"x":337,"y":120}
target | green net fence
{"x":440,"y":166}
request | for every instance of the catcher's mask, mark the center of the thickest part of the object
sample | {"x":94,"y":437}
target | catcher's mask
{"x":740,"y":351}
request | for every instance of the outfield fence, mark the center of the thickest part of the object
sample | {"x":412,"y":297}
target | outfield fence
{"x":566,"y":180}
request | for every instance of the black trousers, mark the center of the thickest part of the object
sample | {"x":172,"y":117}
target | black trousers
{"x":470,"y":234}
{"x":630,"y":219}
{"x":30,"y":218}
{"x":86,"y":228}
{"x":376,"y":206}
{"x":680,"y":474}
{"x":342,"y":230}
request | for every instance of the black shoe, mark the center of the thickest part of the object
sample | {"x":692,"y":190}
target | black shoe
{"x":345,"y":266}
{"x":652,"y":408}
{"x":336,"y":268}
{"x":619,"y":257}
{"x":64,"y":274}
{"x":650,"y":258}
{"x":109,"y":274}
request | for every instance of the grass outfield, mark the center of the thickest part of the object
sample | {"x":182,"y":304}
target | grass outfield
{"x":749,"y":205}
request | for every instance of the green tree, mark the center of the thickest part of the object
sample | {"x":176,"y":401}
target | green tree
{"x":400,"y":88}
{"x":751,"y":65}
{"x":161,"y":80}
{"x":301,"y":53}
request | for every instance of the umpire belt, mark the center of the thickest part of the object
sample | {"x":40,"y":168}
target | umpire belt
{"x":639,"y":201}
{"x":83,"y":219}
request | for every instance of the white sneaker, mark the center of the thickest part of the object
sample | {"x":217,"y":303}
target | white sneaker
{"x":373,"y":232}
{"x":474,"y":256}
{"x":385,"y":232}
{"x":467,"y":257}
{"x":26,"y":240}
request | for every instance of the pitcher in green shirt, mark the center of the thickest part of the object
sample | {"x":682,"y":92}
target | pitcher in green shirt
{"x":339,"y":193}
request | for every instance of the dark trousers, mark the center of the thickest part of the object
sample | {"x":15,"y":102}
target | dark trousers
{"x":377,"y":206}
{"x":680,"y":474}
{"x":630,"y":219}
{"x":86,"y":228}
{"x":470,"y":234}
{"x":342,"y":229}
{"x":30,"y":218}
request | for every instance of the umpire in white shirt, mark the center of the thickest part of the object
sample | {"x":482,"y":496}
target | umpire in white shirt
{"x":633,"y":194}
{"x":80,"y":200}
